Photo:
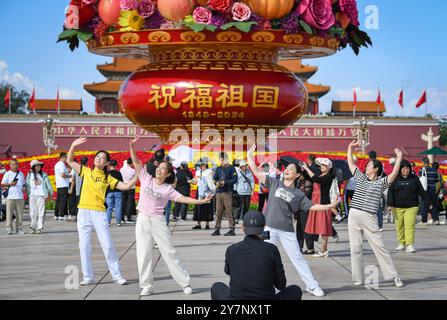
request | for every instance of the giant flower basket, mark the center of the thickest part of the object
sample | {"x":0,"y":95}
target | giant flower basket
{"x":213,"y":61}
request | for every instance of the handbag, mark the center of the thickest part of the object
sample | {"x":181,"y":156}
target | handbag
{"x":423,"y":178}
{"x":6,"y":191}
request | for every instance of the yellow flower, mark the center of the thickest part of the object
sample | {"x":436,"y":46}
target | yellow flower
{"x":189,"y":19}
{"x":130,"y":20}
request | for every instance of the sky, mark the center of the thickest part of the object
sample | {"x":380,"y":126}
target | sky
{"x":409,"y":51}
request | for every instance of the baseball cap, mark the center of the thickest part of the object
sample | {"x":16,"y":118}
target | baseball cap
{"x":254,"y":223}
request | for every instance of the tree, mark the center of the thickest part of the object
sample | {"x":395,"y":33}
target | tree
{"x":443,"y":132}
{"x":19,"y":99}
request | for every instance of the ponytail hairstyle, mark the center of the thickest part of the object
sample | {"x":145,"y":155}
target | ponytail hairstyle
{"x":171,"y":178}
{"x":106,"y":171}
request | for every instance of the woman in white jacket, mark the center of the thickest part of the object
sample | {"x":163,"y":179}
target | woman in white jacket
{"x":39,"y":190}
{"x":205,"y":187}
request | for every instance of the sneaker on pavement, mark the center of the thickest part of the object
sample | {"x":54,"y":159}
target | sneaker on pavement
{"x":130,"y":222}
{"x":187,"y":290}
{"x":39,"y":231}
{"x":87,"y":282}
{"x":118,"y":224}
{"x":230,"y":233}
{"x":121,"y":281}
{"x":317,"y":292}
{"x":336,"y":239}
{"x":400,"y":247}
{"x":430,"y":221}
{"x":381,"y":229}
{"x":56,"y":218}
{"x":410,"y":249}
{"x":197,"y":227}
{"x":398,"y":282}
{"x":62,"y":218}
{"x":437,"y":223}
{"x":216,"y":233}
{"x":147,"y":291}
{"x":33,"y":231}
{"x":358,"y":283}
{"x":21,"y":232}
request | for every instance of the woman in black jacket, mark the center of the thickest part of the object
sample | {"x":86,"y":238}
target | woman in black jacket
{"x":403,"y":197}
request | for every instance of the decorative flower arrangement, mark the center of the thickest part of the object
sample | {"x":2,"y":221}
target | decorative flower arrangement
{"x":87,"y":19}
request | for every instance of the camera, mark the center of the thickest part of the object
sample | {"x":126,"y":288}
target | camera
{"x":266,"y":235}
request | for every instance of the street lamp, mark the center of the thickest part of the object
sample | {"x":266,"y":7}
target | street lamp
{"x":363,"y":133}
{"x":49,"y":133}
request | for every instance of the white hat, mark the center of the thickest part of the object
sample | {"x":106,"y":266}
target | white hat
{"x":35,"y":163}
{"x":242,"y":163}
{"x":324,"y":161}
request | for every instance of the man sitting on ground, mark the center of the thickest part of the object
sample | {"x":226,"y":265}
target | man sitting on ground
{"x":255,"y":268}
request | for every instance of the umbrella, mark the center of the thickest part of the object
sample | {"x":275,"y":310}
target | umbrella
{"x":433,"y":151}
{"x":181,"y":154}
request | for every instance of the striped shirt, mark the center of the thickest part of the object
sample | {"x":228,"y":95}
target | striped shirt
{"x":368,"y":193}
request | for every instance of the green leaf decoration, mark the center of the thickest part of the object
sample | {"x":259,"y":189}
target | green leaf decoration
{"x":244,"y":26}
{"x":85,"y":36}
{"x":67,"y":34}
{"x":306,"y":27}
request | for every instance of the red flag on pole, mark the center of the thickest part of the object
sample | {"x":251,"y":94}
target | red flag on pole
{"x":32,"y":99}
{"x":422,"y":100}
{"x":401,"y":98}
{"x":354,"y":104}
{"x":379,"y":99}
{"x":8,"y":99}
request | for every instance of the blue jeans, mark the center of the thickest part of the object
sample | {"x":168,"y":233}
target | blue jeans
{"x":168,"y":212}
{"x":113,"y":200}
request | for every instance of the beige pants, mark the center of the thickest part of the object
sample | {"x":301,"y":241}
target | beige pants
{"x":148,"y":232}
{"x":224,"y":202}
{"x":14,"y":207}
{"x":363,"y":223}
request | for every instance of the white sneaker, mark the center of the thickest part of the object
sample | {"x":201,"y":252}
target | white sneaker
{"x":430,"y":221}
{"x":437,"y":223}
{"x":358,"y":283}
{"x":423,"y":223}
{"x":21,"y":232}
{"x":121,"y":281}
{"x":56,"y":218}
{"x":87,"y":282}
{"x":398,"y":282}
{"x":410,"y":249}
{"x":321,"y":254}
{"x":336,"y":239}
{"x":187,"y":290}
{"x":317,"y":292}
{"x":400,"y":247}
{"x":62,"y":218}
{"x":381,"y":229}
{"x":147,"y":291}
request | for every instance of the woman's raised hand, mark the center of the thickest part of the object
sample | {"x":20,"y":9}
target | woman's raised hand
{"x":132,"y":142}
{"x":79,"y":141}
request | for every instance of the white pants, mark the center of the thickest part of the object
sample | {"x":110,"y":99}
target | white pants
{"x":290,"y":244}
{"x":147,"y":231}
{"x":87,"y":220}
{"x":37,"y":212}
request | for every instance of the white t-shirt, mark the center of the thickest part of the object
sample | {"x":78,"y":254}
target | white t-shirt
{"x":15,"y":192}
{"x":60,"y":168}
{"x":36,"y":185}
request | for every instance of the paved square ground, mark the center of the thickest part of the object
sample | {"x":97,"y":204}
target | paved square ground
{"x":33,"y":266}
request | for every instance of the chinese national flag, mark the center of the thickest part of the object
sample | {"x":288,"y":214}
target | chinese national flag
{"x":32,"y":99}
{"x":8,"y":98}
{"x":379,"y":99}
{"x":401,"y":98}
{"x":355,"y":99}
{"x":422,"y":100}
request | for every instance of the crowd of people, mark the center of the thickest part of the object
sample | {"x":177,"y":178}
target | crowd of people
{"x":289,"y":190}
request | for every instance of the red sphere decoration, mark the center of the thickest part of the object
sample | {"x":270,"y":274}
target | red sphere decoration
{"x":109,"y":11}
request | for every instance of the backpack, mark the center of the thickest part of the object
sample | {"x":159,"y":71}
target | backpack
{"x":423,"y":178}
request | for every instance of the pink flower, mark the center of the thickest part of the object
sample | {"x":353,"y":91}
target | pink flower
{"x":146,"y":8}
{"x":317,"y":13}
{"x":241,"y":12}
{"x":350,"y":8}
{"x":129,"y":4}
{"x":202,"y":15}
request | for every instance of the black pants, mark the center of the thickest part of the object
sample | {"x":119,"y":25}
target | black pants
{"x":72,"y":204}
{"x":220,"y":291}
{"x":180,"y":209}
{"x":244,"y":206}
{"x":61,"y":208}
{"x":128,"y":204}
{"x":301,"y":222}
{"x":262,"y":198}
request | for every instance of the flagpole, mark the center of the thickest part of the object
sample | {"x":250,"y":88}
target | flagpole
{"x":403,"y":103}
{"x":378,"y":105}
{"x":58,"y":102}
{"x":10,"y":100}
{"x":426,"y":102}
{"x":355,"y":102}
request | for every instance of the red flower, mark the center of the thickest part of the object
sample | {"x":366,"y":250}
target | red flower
{"x":221,"y":5}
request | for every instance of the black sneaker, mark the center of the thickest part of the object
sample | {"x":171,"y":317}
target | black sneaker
{"x":216,"y":233}
{"x":197,"y":228}
{"x":207,"y":228}
{"x":230,"y":233}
